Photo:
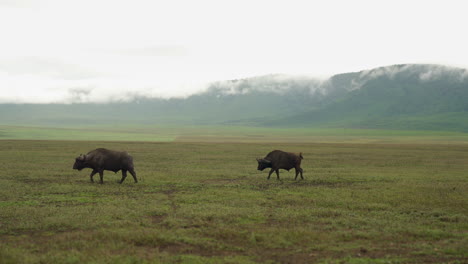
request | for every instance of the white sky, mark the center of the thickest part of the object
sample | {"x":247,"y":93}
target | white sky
{"x":94,"y":50}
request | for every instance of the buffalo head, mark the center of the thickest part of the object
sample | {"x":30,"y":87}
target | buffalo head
{"x":80,"y":162}
{"x":263,"y":164}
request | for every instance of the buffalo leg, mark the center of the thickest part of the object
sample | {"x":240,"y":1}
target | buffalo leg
{"x":92,"y":175}
{"x":269,"y":174}
{"x":277,"y":174}
{"x":298,"y":170}
{"x":124,"y":175}
{"x":132,"y":172}
{"x":101,"y":176}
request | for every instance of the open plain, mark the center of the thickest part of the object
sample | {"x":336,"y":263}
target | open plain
{"x":205,"y":202}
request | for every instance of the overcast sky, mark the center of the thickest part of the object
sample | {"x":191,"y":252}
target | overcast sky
{"x":94,"y":50}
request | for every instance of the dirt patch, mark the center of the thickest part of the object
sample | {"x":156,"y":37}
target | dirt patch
{"x":169,"y":192}
{"x":323,"y":183}
{"x":182,"y":249}
{"x":37,"y":180}
{"x":190,"y":249}
{"x":157,"y":219}
{"x":261,"y":186}
{"x":221,"y":181}
{"x":170,"y":196}
{"x":278,"y":257}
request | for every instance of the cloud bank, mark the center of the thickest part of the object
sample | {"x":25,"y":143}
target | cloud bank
{"x":53,"y":50}
{"x":421,"y":72}
{"x":53,"y":84}
{"x":274,"y":83}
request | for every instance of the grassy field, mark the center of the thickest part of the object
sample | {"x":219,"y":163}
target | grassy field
{"x":207,"y":203}
{"x":234,"y":134}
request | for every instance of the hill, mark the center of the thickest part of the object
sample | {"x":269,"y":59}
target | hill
{"x":421,"y":97}
{"x":246,"y":101}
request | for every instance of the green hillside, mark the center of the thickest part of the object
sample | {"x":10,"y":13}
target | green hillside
{"x":400,"y":98}
{"x":403,"y":97}
{"x":245,"y":102}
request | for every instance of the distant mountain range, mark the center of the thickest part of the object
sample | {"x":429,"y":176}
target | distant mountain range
{"x":409,"y":97}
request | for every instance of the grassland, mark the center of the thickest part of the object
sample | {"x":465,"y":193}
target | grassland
{"x":206,"y":203}
{"x":233,"y":134}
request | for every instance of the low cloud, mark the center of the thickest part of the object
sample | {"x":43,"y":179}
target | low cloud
{"x":72,"y":84}
{"x":368,"y":75}
{"x":158,"y":51}
{"x":423,"y":72}
{"x":18,"y":3}
{"x":436,"y":72}
{"x":79,"y":95}
{"x":43,"y":89}
{"x":276,"y":83}
{"x":389,"y":72}
{"x":46,"y":67}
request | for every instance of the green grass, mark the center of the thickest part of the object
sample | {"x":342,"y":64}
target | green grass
{"x":90,"y":133}
{"x":207,"y":203}
{"x":230,"y":134}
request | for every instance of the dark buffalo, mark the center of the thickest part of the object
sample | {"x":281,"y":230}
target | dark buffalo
{"x":103,"y":159}
{"x":278,"y":159}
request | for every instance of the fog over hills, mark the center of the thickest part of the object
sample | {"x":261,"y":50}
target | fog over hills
{"x":411,"y":96}
{"x":396,"y":97}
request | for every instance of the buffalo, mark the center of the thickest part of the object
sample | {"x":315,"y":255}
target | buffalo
{"x":104,"y":159}
{"x":278,"y":159}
